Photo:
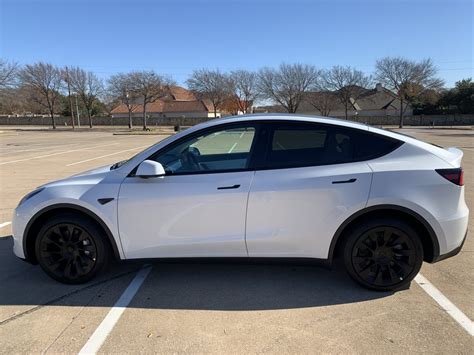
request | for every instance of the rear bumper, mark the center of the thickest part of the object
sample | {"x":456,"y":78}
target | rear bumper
{"x":453,"y":252}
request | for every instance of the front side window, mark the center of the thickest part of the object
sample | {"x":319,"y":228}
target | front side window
{"x":306,"y":144}
{"x":217,"y":151}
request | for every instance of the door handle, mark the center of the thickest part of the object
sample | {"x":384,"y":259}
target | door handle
{"x":228,"y":187}
{"x":350,"y":181}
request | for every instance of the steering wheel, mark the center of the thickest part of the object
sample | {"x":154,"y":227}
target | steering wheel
{"x":189,"y":159}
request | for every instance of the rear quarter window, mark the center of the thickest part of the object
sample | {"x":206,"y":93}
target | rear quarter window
{"x":371,"y":145}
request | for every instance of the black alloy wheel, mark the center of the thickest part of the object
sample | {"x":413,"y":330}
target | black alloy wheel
{"x":68,"y":251}
{"x":71,"y":249}
{"x":384,"y":257}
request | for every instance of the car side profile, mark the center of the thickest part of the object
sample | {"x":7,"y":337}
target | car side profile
{"x":257,"y":186}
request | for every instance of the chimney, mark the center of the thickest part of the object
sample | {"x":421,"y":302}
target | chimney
{"x":378,"y":87}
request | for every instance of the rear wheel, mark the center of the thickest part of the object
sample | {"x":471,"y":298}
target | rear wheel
{"x":383,"y":254}
{"x":71,"y":249}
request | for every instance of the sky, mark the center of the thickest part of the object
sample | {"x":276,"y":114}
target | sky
{"x":177,"y":37}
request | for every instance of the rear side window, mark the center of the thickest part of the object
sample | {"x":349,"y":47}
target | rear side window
{"x":306,"y":144}
{"x":289,"y":139}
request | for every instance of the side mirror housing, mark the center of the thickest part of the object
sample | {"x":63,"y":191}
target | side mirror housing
{"x":150,"y":168}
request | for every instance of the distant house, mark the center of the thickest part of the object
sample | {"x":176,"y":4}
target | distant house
{"x":179,"y":103}
{"x":234,"y":106}
{"x":378,"y":101}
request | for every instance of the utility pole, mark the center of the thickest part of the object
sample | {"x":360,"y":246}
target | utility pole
{"x":69,"y":95}
{"x":77,"y":114}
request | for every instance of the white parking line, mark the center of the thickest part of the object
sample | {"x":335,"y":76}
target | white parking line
{"x":233,"y":147}
{"x":107,"y":155}
{"x":446,"y":304}
{"x":53,"y":154}
{"x":38,"y":148}
{"x":4,"y":224}
{"x":103,"y":330}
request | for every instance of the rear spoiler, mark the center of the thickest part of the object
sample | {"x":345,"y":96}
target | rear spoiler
{"x":455,"y":157}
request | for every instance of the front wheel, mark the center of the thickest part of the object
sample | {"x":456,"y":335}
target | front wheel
{"x":71,"y":249}
{"x":383,"y":254}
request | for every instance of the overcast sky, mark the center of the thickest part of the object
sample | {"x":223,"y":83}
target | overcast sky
{"x":175,"y":37}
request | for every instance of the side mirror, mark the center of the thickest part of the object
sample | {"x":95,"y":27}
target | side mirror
{"x":150,"y":168}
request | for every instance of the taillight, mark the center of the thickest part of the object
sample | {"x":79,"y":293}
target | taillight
{"x":456,"y":176}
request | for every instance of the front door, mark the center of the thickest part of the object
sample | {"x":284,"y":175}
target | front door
{"x":198,"y":209}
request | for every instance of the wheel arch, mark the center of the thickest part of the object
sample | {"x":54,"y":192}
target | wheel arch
{"x":424,"y":229}
{"x":34,"y":225}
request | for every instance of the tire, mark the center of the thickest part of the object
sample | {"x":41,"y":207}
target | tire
{"x":383,"y":254}
{"x":71,"y":249}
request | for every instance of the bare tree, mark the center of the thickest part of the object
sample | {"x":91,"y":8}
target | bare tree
{"x":212,"y":85}
{"x":408,"y":79}
{"x":88,"y":87}
{"x":149,"y":86}
{"x":287,"y":84}
{"x":245,"y":88}
{"x":323,"y":101}
{"x":44,"y":81}
{"x":347,"y":83}
{"x":8,"y":71}
{"x":122,"y":87}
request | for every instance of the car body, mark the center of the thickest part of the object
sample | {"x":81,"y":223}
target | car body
{"x":262,"y":186}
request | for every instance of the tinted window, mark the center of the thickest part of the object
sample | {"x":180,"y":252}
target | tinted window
{"x":305,"y":144}
{"x":220,"y":150}
{"x":288,"y":139}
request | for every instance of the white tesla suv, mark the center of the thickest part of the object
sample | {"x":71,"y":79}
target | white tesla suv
{"x":259,"y":186}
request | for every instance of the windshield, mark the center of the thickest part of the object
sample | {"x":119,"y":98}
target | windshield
{"x":122,"y":162}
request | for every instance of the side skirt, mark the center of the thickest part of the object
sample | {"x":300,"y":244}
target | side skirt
{"x":235,"y":260}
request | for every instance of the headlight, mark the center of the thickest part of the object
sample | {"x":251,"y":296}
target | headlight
{"x":30,"y":195}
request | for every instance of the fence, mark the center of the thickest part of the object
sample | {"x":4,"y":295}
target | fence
{"x":421,"y":120}
{"x":99,"y":121}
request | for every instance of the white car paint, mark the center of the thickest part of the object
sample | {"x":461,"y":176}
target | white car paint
{"x":283,"y":212}
{"x":184,"y":216}
{"x":291,"y":210}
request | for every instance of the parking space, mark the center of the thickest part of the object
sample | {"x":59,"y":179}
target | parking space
{"x":219,"y":308}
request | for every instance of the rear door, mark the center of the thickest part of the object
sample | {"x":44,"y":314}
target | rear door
{"x":309,"y":183}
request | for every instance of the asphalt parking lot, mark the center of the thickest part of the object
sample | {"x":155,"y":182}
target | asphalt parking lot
{"x":215,"y":308}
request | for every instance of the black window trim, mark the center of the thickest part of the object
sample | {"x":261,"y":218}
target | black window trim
{"x":261,"y":144}
{"x":224,"y":126}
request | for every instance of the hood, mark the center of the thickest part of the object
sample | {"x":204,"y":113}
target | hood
{"x":89,"y":177}
{"x":99,"y":170}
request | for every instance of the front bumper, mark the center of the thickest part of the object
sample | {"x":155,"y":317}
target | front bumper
{"x":19,"y":222}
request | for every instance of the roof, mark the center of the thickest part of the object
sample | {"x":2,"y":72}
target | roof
{"x":281,"y":117}
{"x":178,"y":100}
{"x":184,"y":106}
{"x":181,"y":94}
{"x":208,"y":104}
{"x":156,"y":106}
{"x":368,"y":99}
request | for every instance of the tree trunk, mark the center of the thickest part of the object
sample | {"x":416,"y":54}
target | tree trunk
{"x":77,"y":114}
{"x":53,"y":121}
{"x":400,"y":124}
{"x":72,"y":111}
{"x":90,"y":118}
{"x":215,"y":110}
{"x":129,"y":118}
{"x":144,"y":117}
